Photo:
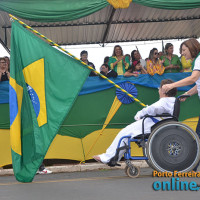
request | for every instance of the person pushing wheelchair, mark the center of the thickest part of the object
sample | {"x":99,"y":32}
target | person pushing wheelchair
{"x":164,"y":105}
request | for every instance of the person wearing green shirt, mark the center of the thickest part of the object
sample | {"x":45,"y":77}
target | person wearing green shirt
{"x":171,"y":62}
{"x":118,"y":62}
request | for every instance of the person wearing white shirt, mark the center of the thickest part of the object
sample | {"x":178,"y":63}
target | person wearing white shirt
{"x":164,"y":105}
{"x":191,"y":50}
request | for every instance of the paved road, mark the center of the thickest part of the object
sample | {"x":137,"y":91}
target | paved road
{"x":96,"y":185}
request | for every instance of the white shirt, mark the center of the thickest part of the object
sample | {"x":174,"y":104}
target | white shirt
{"x":143,"y":63}
{"x":164,"y":105}
{"x":197,"y":68}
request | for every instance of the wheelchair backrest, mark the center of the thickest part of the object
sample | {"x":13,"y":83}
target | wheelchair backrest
{"x":176,"y":111}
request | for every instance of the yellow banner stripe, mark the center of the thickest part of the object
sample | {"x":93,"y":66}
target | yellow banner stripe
{"x":15,"y":129}
{"x":34,"y":76}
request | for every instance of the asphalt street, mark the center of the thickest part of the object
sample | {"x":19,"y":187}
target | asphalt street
{"x":95,"y":185}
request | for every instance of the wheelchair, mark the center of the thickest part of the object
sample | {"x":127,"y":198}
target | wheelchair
{"x":171,"y":146}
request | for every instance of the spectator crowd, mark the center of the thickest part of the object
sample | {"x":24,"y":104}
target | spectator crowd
{"x":127,"y":65}
{"x":132,"y":64}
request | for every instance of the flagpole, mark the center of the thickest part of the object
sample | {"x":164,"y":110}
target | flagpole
{"x":89,"y":67}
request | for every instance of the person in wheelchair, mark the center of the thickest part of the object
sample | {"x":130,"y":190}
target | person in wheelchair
{"x":164,"y":105}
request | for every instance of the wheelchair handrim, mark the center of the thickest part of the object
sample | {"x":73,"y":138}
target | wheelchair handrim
{"x":153,"y":134}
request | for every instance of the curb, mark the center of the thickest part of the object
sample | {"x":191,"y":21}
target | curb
{"x":81,"y":167}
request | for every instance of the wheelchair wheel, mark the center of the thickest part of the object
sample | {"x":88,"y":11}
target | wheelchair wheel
{"x":132,"y":171}
{"x":173,"y":146}
{"x":144,"y":149}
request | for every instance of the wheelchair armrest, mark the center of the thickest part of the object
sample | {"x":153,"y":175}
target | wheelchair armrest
{"x":161,"y":115}
{"x":183,"y":96}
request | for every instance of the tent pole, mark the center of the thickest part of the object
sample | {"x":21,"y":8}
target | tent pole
{"x":108,"y":26}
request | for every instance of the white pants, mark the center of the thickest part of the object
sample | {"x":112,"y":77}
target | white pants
{"x":132,"y":130}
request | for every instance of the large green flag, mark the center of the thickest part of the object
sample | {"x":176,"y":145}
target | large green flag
{"x":44,"y":84}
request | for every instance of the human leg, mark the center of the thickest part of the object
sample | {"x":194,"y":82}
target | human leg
{"x":130,"y":130}
{"x":42,"y":167}
{"x":43,"y":170}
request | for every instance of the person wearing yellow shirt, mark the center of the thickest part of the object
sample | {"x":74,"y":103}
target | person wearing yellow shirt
{"x":186,"y":64}
{"x":154,"y":65}
{"x":118,"y":62}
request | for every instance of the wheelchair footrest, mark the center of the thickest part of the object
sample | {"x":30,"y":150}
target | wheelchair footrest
{"x":113,"y":164}
{"x":113,"y":161}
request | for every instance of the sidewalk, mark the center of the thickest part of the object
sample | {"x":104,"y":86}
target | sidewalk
{"x":80,"y":167}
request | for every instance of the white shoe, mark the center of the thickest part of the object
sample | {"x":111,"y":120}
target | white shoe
{"x":44,"y":171}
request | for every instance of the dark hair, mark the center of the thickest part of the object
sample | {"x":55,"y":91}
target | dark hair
{"x":132,"y":55}
{"x":167,"y":46}
{"x":128,"y":55}
{"x":2,"y":58}
{"x":115,"y":48}
{"x":106,"y":59}
{"x":134,"y":64}
{"x":106,"y":65}
{"x":152,"y":53}
{"x":193,"y":45}
{"x":172,"y":92}
{"x":84,"y":52}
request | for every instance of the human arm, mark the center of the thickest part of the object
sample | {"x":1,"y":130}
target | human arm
{"x":169,"y":67}
{"x":150,"y":68}
{"x":129,"y":73}
{"x":192,"y":91}
{"x":143,"y":71}
{"x":184,"y":82}
{"x":179,"y":64}
{"x":8,"y":74}
{"x":112,"y":62}
{"x":161,"y":68}
{"x":1,"y":73}
{"x":126,"y":62}
{"x":176,"y":63}
{"x":112,"y":74}
{"x":92,"y":73}
{"x":155,"y":109}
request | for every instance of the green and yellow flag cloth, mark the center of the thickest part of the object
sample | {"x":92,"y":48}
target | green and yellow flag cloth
{"x":44,"y":84}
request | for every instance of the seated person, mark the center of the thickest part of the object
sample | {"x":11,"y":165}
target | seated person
{"x":164,"y":105}
{"x":135,"y":69}
{"x":4,"y":73}
{"x":106,"y":72}
{"x":84,"y":58}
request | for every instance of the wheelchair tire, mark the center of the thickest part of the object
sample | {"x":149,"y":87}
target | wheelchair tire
{"x":132,"y":171}
{"x":173,"y":146}
{"x":144,"y":149}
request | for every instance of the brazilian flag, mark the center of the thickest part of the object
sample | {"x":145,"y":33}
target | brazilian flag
{"x":44,"y":84}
